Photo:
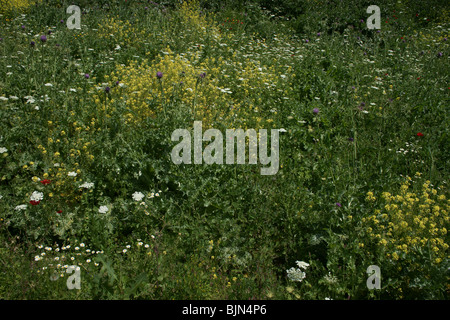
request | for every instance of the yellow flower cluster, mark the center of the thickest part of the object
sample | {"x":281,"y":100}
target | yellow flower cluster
{"x":236,"y":90}
{"x":198,"y":24}
{"x":11,"y":5}
{"x":411,"y":223}
{"x":118,"y":32}
{"x":145,"y":95}
{"x":68,"y":148}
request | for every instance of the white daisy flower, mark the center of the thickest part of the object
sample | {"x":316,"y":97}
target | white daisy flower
{"x":103,"y":209}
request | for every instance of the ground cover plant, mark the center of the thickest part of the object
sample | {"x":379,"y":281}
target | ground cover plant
{"x":87,"y":178}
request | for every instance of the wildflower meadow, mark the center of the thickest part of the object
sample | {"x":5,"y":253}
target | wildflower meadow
{"x":224,"y":150}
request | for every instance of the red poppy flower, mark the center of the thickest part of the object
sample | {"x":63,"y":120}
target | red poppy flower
{"x":59,"y":211}
{"x":34,"y":202}
{"x":420,"y":134}
{"x":45,"y":182}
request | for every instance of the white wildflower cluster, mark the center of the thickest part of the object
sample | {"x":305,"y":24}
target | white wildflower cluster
{"x":152,"y":195}
{"x":296,"y":274}
{"x":139,"y":244}
{"x":87,"y":185}
{"x":58,"y":258}
{"x":37,"y":196}
{"x":330,"y":278}
{"x":138,"y":196}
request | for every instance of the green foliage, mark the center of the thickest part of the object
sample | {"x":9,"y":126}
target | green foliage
{"x":351,"y":101}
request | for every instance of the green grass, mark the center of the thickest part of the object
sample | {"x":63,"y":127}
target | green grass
{"x":224,"y":231}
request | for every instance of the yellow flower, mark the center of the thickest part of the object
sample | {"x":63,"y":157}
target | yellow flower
{"x":370,"y":196}
{"x":289,"y":289}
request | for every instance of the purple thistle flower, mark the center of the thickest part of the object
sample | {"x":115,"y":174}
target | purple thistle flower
{"x":445,"y":39}
{"x":43,"y":38}
{"x":351,"y":139}
{"x":338,"y":204}
{"x":86,"y":76}
{"x":159,"y":74}
{"x":32,"y":43}
{"x":61,"y":21}
{"x":316,"y":110}
{"x":23,"y":27}
{"x":117,"y":83}
{"x":107,"y":89}
{"x":306,"y":40}
{"x":318,"y":34}
{"x":439,"y":54}
{"x":202,"y":75}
